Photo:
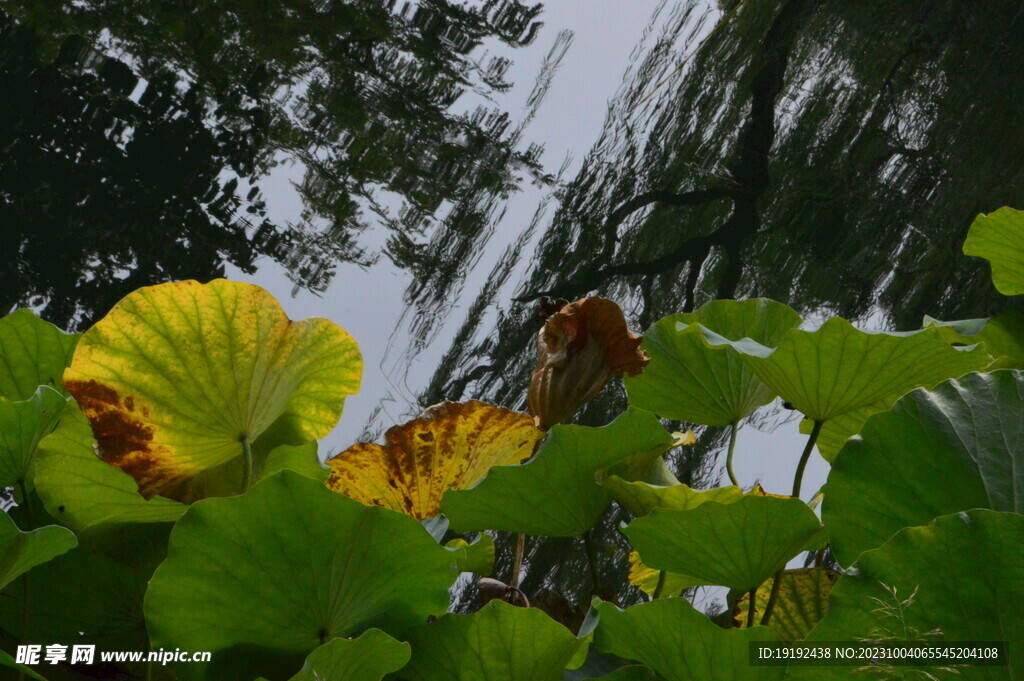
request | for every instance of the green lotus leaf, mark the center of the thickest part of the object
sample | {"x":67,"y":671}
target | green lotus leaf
{"x":22,"y":425}
{"x":646,"y":466}
{"x":367,"y":658}
{"x":90,"y":595}
{"x":694,"y":380}
{"x":958,"y":447}
{"x":838,"y":368}
{"x":681,"y":644}
{"x":83,"y":492}
{"x":299,"y":458}
{"x":179,"y":378}
{"x":22,"y":551}
{"x":738,"y":545}
{"x":555,"y":494}
{"x":999,"y":238}
{"x":963,"y":574}
{"x":836,"y":431}
{"x":799,"y":605}
{"x":1003,"y":339}
{"x":840,"y":371}
{"x":499,"y":642}
{"x":479,"y":556}
{"x":277,"y":572}
{"x":32,"y":353}
{"x":7,"y":661}
{"x":1003,"y":336}
{"x":640,"y":498}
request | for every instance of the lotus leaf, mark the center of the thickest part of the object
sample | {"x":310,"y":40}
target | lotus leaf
{"x":183,"y":377}
{"x":451,"y":445}
{"x":555,"y":494}
{"x":961,"y":574}
{"x":479,"y":555}
{"x":299,"y":458}
{"x":640,"y":498}
{"x":958,"y":447}
{"x":835,"y":433}
{"x":1003,"y":336}
{"x":681,"y":644}
{"x":90,"y":595}
{"x":367,"y":658}
{"x":646,"y":579}
{"x":499,"y":642}
{"x":22,"y":425}
{"x":799,"y":605}
{"x":281,"y":570}
{"x":838,"y":369}
{"x":738,"y":545}
{"x":22,"y":551}
{"x":7,"y":661}
{"x":82,"y":491}
{"x":645,"y":467}
{"x":32,"y":353}
{"x":843,"y":375}
{"x":694,"y":380}
{"x":999,"y":238}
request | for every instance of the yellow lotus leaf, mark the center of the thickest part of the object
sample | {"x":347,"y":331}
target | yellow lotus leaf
{"x":182,"y":377}
{"x":647,"y":578}
{"x":450,"y":445}
{"x":800,"y":604}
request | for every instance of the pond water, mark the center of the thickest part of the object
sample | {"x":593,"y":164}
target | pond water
{"x":422,"y":173}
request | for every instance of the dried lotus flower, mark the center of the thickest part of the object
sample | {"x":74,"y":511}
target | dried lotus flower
{"x":580,"y":348}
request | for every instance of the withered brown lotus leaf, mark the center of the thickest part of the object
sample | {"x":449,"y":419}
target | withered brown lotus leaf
{"x":450,"y":445}
{"x":580,"y":348}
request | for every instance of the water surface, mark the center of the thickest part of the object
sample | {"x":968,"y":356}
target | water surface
{"x":421,"y":174}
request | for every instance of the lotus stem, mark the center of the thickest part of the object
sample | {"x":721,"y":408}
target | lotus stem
{"x":815,"y":431}
{"x":662,"y":576}
{"x":595,"y":574}
{"x":797,"y":480}
{"x":26,"y":611}
{"x":728,"y":458}
{"x":25,"y":617}
{"x":30,"y":523}
{"x":517,"y":564}
{"x":247,"y":471}
{"x":772,"y":597}
{"x":752,"y":607}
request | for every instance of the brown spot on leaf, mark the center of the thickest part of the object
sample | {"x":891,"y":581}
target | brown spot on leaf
{"x":122,"y":439}
{"x":119,"y":436}
{"x":92,"y":392}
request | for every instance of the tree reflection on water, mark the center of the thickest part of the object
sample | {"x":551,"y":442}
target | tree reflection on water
{"x":137,"y":135}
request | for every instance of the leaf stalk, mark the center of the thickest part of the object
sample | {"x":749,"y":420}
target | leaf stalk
{"x":728,"y":457}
